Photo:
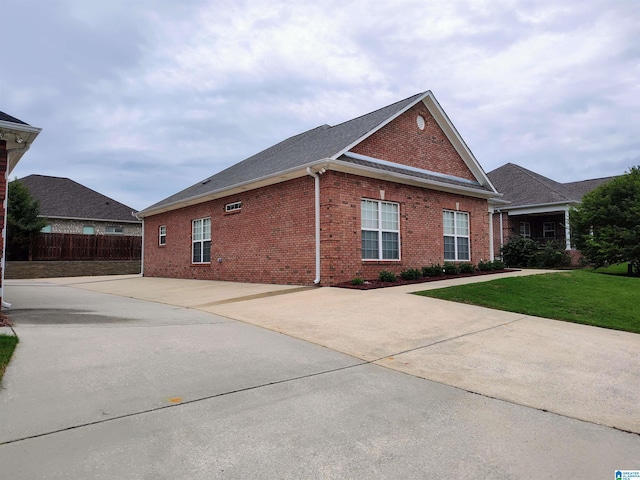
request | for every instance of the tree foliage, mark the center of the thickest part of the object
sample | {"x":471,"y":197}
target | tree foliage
{"x":22,"y":221}
{"x":606,"y":226}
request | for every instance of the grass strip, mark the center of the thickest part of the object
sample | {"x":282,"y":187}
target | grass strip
{"x":578,"y":296}
{"x":7,"y":346}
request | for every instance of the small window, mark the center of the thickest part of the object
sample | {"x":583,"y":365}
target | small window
{"x":525,"y":229}
{"x":162,"y":235}
{"x":549,"y":230}
{"x":114,"y":230}
{"x":233,"y":207}
{"x":89,"y":230}
{"x":201,"y":240}
{"x":46,"y":229}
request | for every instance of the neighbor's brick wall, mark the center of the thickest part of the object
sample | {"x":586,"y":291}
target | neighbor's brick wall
{"x":55,"y":269}
{"x":75,"y":226}
{"x":401,"y":141}
{"x":271,"y":240}
{"x":421,"y":231}
{"x":3,"y":194}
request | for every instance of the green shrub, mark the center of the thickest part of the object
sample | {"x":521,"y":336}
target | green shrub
{"x":467,"y":268}
{"x":386,"y":276}
{"x":485,"y":266}
{"x":451,"y":268}
{"x":411,"y":274}
{"x":520,"y":252}
{"x":357,"y":281}
{"x":434,"y":270}
{"x":553,"y":255}
{"x":497,"y":265}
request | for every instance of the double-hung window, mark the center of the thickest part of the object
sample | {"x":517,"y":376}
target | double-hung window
{"x":380,"y":224}
{"x":456,"y":235}
{"x":548,"y":229}
{"x":201,"y":238}
{"x":162,"y":235}
{"x":525,"y":229}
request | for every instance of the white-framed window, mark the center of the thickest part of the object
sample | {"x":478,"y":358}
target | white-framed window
{"x":201,"y":240}
{"x":233,"y":207}
{"x":89,"y":230}
{"x":549,"y":229}
{"x":380,"y":225}
{"x":162,"y":235}
{"x":525,"y":229}
{"x":456,"y":235}
{"x":110,"y":230}
{"x":46,"y":229}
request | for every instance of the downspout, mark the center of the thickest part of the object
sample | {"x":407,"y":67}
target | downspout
{"x":133,"y":214}
{"x":316,"y":178}
{"x":491,"y":253}
{"x":5,"y":204}
{"x":501,"y":235}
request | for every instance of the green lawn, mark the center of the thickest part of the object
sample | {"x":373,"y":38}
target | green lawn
{"x":7,"y":346}
{"x":579,"y":296}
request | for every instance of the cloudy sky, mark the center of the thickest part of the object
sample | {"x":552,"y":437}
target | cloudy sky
{"x":139,"y":99}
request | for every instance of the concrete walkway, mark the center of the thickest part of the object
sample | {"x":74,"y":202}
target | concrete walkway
{"x":581,"y":372}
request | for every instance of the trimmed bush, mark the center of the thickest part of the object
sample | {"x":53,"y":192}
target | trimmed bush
{"x":357,"y":281}
{"x":485,"y":266}
{"x":553,"y":255}
{"x":451,"y":268}
{"x":411,"y":274}
{"x":434,"y":270}
{"x":497,"y":265}
{"x":386,"y":276}
{"x":520,"y":252}
{"x":467,"y":268}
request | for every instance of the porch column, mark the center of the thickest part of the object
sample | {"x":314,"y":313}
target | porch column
{"x":567,"y":229}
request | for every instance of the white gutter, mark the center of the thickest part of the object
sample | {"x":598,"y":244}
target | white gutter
{"x":491,"y":252}
{"x":316,"y":178}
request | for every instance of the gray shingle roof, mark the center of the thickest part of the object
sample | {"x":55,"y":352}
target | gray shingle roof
{"x":523,"y":187}
{"x":64,"y":198}
{"x":307,"y":147}
{"x":5,"y":117}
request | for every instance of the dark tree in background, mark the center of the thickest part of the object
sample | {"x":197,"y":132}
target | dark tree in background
{"x":606,"y":226}
{"x":22,"y":221}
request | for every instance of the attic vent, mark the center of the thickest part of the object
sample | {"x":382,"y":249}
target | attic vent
{"x":233,"y":207}
{"x":420,"y":121}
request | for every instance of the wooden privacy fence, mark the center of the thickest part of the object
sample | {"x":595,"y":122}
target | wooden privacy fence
{"x":68,"y":246}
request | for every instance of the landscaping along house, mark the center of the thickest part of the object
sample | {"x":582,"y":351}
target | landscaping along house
{"x":394,"y":189}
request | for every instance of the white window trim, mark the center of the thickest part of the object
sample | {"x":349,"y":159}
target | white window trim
{"x":107,"y":232}
{"x":162,"y":235}
{"x":233,"y":207}
{"x":201,"y":241}
{"x":455,"y":236}
{"x":527,"y":233}
{"x":380,"y":230}
{"x":553,"y":230}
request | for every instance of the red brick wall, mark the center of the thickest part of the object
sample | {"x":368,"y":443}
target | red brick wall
{"x":3,"y":192}
{"x":421,"y":233}
{"x":401,"y":141}
{"x":272,"y":239}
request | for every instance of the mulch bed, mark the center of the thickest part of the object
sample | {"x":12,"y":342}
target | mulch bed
{"x":371,"y":284}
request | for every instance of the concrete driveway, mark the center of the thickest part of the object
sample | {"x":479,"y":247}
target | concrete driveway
{"x":104,"y":386}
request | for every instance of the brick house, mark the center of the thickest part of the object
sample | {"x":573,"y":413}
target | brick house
{"x":534,"y":206}
{"x":16,"y":138}
{"x":70,"y":207}
{"x":394,"y":189}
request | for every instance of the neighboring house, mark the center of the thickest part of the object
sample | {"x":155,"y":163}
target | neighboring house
{"x":397,"y":188}
{"x":70,"y":207}
{"x":534,"y":206}
{"x":16,"y":137}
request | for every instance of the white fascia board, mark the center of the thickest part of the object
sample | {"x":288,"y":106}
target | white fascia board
{"x":540,"y":208}
{"x":406,"y":179}
{"x":290,"y":174}
{"x":19,"y":127}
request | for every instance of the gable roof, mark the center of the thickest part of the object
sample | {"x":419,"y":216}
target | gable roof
{"x":5,"y":117}
{"x":66,"y":199}
{"x":522,"y":187}
{"x":325,"y":147}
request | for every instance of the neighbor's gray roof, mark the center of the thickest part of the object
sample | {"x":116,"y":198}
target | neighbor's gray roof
{"x":5,"y":117}
{"x":64,"y":198}
{"x":315,"y":144}
{"x":523,"y":187}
